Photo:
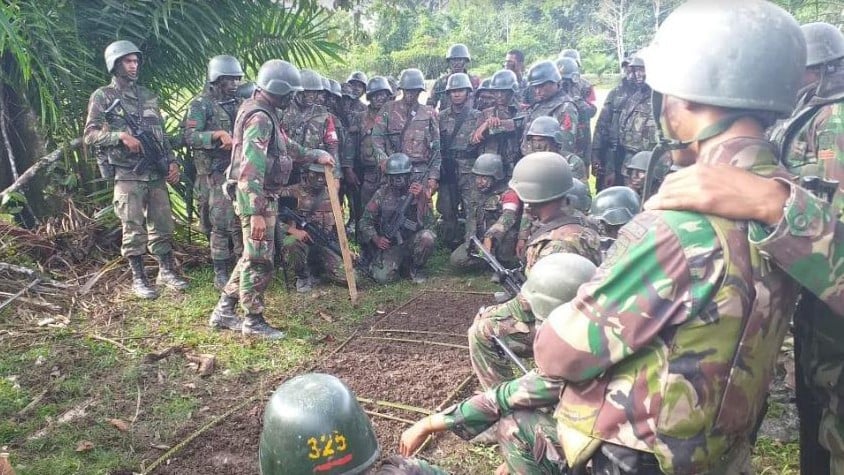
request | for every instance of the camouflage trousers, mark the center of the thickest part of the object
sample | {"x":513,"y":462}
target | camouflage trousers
{"x":528,"y":442}
{"x":226,"y":238}
{"x":201,"y":194}
{"x":452,"y":196}
{"x":144,"y":211}
{"x":505,"y":252}
{"x":398,"y":465}
{"x":254,"y":270}
{"x":386,"y":265}
{"x":490,"y":365}
{"x":312,"y":260}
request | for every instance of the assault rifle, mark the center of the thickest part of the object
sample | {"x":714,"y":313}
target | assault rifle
{"x":504,"y":350}
{"x":511,"y":279}
{"x":398,"y":221}
{"x":153,"y":155}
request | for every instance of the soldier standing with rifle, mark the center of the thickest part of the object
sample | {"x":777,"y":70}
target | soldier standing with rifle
{"x":497,"y":133}
{"x":208,"y":127}
{"x":139,"y":161}
{"x":606,"y":150}
{"x":458,"y":59}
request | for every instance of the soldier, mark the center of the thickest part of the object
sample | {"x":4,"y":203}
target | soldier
{"x":580,"y":196}
{"x":357,"y":82}
{"x":606,"y":149}
{"x":362,"y":158}
{"x":208,"y":128}
{"x":457,"y":184}
{"x":515,"y":61}
{"x":508,"y":406}
{"x":141,"y":200}
{"x":544,"y":135}
{"x":636,"y":170}
{"x":262,"y":158}
{"x":495,"y":217}
{"x":612,"y":208}
{"x":582,"y":87}
{"x":309,"y":259}
{"x":684,"y":294}
{"x":483,"y":96}
{"x":309,"y":123}
{"x":542,"y":181}
{"x":314,"y":424}
{"x":570,"y":72}
{"x":498,"y":133}
{"x":551,"y":100}
{"x":637,"y":128}
{"x":458,"y":58}
{"x":411,"y":128}
{"x":414,"y":242}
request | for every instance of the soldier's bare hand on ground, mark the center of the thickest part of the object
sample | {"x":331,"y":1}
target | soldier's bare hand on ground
{"x":224,"y":138}
{"x":381,"y":242}
{"x":130,"y":142}
{"x":300,"y":234}
{"x":351,"y":177}
{"x":173,"y":174}
{"x":413,"y":437}
{"x":724,"y":191}
{"x":259,"y":227}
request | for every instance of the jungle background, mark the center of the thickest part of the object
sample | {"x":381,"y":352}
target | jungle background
{"x":88,"y":383}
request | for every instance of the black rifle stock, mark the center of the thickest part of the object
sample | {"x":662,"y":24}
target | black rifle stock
{"x":511,"y":279}
{"x":392,"y":230}
{"x":318,"y":236}
{"x":153,"y":155}
{"x":506,"y":351}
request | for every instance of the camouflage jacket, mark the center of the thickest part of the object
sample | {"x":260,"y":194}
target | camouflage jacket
{"x":314,"y":206}
{"x":262,"y":158}
{"x":585,"y":111}
{"x":398,"y":465}
{"x":420,"y":140}
{"x":441,"y":100}
{"x":205,"y":116}
{"x":384,"y":205}
{"x":102,"y":134}
{"x":568,"y":233}
{"x":671,"y":347}
{"x":352,"y":147}
{"x":497,"y":213}
{"x":606,"y":137}
{"x":313,"y":127}
{"x":637,"y":125}
{"x":504,"y":140}
{"x":456,"y":145}
{"x":560,"y":107}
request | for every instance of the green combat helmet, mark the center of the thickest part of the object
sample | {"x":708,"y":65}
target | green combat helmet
{"x":540,"y":177}
{"x":489,"y":164}
{"x":377,"y":83}
{"x":615,"y":205}
{"x":358,"y":76}
{"x":546,"y":126}
{"x":245,"y":90}
{"x":579,"y":196}
{"x":503,"y":80}
{"x":570,"y":53}
{"x":542,"y":72}
{"x":278,"y":77}
{"x":568,"y":69}
{"x":554,"y":280}
{"x":458,"y":81}
{"x":335,"y":88}
{"x":458,"y":51}
{"x":398,"y":164}
{"x":411,"y":79}
{"x":484,"y":85}
{"x":824,"y":43}
{"x":223,"y":65}
{"x":640,"y":161}
{"x":117,"y":50}
{"x":326,"y":84}
{"x":311,"y":80}
{"x":314,"y":424}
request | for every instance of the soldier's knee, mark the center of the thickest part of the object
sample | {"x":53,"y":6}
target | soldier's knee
{"x":427,"y":238}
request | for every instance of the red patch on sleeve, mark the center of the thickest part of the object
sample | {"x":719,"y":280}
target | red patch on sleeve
{"x":372,"y":206}
{"x":330,"y":136}
{"x":826,"y":154}
{"x":510,"y":197}
{"x":566,"y":125}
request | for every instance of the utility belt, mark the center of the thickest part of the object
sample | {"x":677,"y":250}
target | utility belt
{"x":612,"y":459}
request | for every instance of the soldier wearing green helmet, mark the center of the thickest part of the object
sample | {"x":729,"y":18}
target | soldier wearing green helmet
{"x":314,"y":424}
{"x":458,"y":59}
{"x":409,"y":250}
{"x":612,"y":208}
{"x":550,"y":99}
{"x":456,"y":193}
{"x":497,"y":132}
{"x":495,"y":217}
{"x":544,"y":135}
{"x":516,"y":411}
{"x":208,"y":127}
{"x":141,"y":199}
{"x":262,"y":158}
{"x":570,"y":72}
{"x":606,"y":149}
{"x":683,"y":291}
{"x":551,"y":224}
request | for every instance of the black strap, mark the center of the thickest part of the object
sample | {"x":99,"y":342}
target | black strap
{"x":407,"y":125}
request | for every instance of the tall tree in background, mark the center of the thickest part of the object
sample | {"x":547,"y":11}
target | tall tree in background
{"x":613,"y":14}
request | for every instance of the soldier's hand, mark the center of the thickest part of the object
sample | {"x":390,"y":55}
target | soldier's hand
{"x":173,"y":174}
{"x":433,"y":186}
{"x":478,"y":135}
{"x":412,"y":438}
{"x":609,"y":180}
{"x":224,"y":138}
{"x":381,"y":242}
{"x":493,"y":122}
{"x":415,"y":188}
{"x":520,"y":248}
{"x":300,"y":234}
{"x":326,"y":160}
{"x":130,"y":142}
{"x":351,"y":177}
{"x":259,"y":227}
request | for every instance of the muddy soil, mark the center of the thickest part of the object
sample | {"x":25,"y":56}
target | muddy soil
{"x":417,"y":373}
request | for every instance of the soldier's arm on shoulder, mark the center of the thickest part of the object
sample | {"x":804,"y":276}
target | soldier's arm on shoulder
{"x":257,"y":134}
{"x":646,"y":285}
{"x":196,"y":135}
{"x":808,"y":244}
{"x":97,"y":130}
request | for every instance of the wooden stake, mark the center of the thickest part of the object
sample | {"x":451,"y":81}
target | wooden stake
{"x":337,"y":210}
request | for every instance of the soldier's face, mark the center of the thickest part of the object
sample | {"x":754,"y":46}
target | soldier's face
{"x":538,"y":143}
{"x":544,"y":91}
{"x":638,"y":74}
{"x":483,"y":182}
{"x":511,"y":63}
{"x":502,"y":97}
{"x":458,"y":96}
{"x":128,"y":66}
{"x":378,"y":99}
{"x":410,"y":96}
{"x":311,"y":97}
{"x":635,"y":179}
{"x":358,"y":88}
{"x":811,"y":75}
{"x":457,"y":65}
{"x":316,"y":180}
{"x":679,"y":123}
{"x":228,"y":85}
{"x":485,"y":100}
{"x":399,"y":182}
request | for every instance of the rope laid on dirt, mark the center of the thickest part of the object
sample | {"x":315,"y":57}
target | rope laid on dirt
{"x":396,"y":405}
{"x":387,"y":416}
{"x":408,"y":340}
{"x":442,"y":405}
{"x":420,"y":332}
{"x":391,"y":312}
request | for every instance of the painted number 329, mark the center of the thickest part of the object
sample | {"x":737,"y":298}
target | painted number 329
{"x":326,"y":445}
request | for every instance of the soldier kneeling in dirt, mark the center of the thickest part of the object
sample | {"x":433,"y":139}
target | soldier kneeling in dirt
{"x":314,"y":424}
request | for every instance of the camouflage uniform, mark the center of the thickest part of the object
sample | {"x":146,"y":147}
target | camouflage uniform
{"x":311,"y":126}
{"x":577,"y":165}
{"x":398,"y":465}
{"x":569,"y":232}
{"x":514,"y":325}
{"x":205,"y":116}
{"x":560,"y":107}
{"x":504,"y":140}
{"x":586,"y":109}
{"x":457,"y":184}
{"x":637,"y":127}
{"x":141,"y":200}
{"x":606,"y":142}
{"x":265,"y":156}
{"x":670,"y":348}
{"x":363,"y":155}
{"x":496,"y":215}
{"x":439,"y":98}
{"x":420,"y":140}
{"x":415,"y":246}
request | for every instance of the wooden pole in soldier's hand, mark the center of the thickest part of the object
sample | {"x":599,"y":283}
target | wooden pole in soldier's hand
{"x":337,"y":211}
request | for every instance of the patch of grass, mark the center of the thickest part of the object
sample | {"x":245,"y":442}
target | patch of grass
{"x":772,"y":457}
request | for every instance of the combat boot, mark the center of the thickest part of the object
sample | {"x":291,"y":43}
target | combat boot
{"x":255,"y":325}
{"x":221,"y":274}
{"x":417,"y":275}
{"x":224,"y":317}
{"x":140,"y":283}
{"x":167,"y":273}
{"x":304,"y":283}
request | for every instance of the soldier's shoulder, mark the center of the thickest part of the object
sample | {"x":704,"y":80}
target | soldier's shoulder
{"x":146,"y":94}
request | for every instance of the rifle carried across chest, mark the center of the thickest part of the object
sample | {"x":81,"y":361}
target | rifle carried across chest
{"x":153,"y":154}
